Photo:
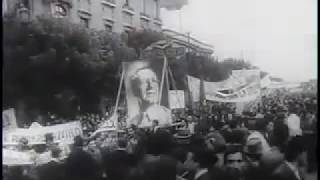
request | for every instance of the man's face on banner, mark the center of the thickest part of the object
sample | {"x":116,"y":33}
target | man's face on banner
{"x":148,"y":85}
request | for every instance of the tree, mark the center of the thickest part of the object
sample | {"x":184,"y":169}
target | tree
{"x":139,"y":40}
{"x":53,"y":65}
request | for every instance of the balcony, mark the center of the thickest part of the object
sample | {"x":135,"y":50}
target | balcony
{"x":145,"y":16}
{"x":67,"y":2}
{"x":158,"y":21}
{"x":84,"y":12}
{"x":110,"y":3}
{"x":187,"y":41}
{"x":108,"y":20}
{"x":128,"y":9}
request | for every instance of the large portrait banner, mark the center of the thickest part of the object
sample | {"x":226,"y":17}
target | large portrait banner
{"x":145,"y":105}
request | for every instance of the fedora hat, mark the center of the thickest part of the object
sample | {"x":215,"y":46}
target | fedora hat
{"x":253,"y":147}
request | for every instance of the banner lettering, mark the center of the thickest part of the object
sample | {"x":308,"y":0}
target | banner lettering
{"x":62,"y":133}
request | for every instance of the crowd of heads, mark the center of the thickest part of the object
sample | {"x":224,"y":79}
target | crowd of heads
{"x":224,"y":146}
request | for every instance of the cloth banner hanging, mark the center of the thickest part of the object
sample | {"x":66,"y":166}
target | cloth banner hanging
{"x":241,"y":86}
{"x":63,"y":133}
{"x":194,"y":87}
{"x":245,"y":87}
{"x":176,"y":99}
{"x":9,"y":120}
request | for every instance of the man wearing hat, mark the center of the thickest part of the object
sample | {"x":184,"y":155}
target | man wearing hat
{"x":253,"y":151}
{"x":259,"y":133}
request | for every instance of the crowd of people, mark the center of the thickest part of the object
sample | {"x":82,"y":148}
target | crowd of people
{"x":276,"y":139}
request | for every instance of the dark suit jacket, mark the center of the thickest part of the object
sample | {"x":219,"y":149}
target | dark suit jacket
{"x":117,"y":164}
{"x":283,"y":172}
{"x":51,"y":171}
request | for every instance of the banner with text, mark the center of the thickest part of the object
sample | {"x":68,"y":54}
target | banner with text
{"x":245,"y":87}
{"x":64,"y":133}
{"x":241,"y":86}
{"x":176,"y":99}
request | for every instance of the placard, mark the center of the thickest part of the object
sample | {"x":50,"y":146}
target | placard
{"x":64,"y":133}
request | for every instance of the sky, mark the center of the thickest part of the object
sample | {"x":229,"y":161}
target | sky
{"x":278,"y":36}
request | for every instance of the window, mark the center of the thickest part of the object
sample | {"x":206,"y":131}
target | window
{"x":84,"y":4}
{"x":157,"y":9}
{"x":59,"y":11}
{"x":149,"y":8}
{"x":127,"y":18}
{"x":107,"y":12}
{"x":126,"y":3}
{"x":144,"y":6}
{"x":158,"y":26}
{"x":4,"y":6}
{"x":144,"y":24}
{"x":84,"y":22}
{"x":108,"y":27}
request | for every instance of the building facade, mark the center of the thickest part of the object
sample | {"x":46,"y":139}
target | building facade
{"x":189,"y":44}
{"x":111,"y":15}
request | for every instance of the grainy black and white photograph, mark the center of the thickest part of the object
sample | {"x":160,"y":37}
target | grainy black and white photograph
{"x":159,"y":90}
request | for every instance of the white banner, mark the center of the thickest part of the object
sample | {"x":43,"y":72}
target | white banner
{"x":64,"y":133}
{"x":242,"y":86}
{"x":194,"y":87}
{"x":9,"y":120}
{"x":176,"y":99}
{"x":265,"y":82}
{"x":11,"y":157}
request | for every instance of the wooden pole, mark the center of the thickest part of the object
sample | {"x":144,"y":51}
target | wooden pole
{"x":162,"y":77}
{"x":118,"y":98}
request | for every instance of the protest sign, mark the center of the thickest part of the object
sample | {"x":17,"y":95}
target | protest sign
{"x":11,"y":157}
{"x":194,"y":87}
{"x":176,"y":99}
{"x":9,"y":120}
{"x":62,"y":133}
{"x":145,"y":102}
